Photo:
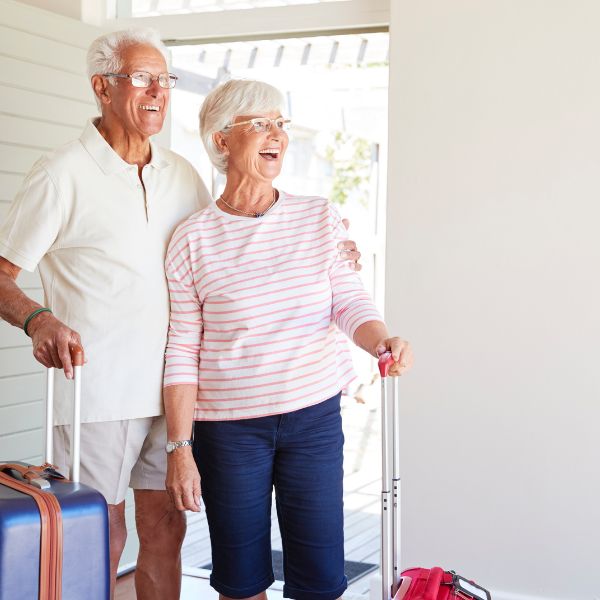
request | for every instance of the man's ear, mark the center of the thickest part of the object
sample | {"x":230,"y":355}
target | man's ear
{"x":101,"y":88}
{"x":220,"y":141}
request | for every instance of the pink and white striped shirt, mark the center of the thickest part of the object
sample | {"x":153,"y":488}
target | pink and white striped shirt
{"x":254,"y":309}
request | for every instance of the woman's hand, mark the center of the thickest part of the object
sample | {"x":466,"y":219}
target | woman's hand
{"x":401,"y":353}
{"x":183,"y":480}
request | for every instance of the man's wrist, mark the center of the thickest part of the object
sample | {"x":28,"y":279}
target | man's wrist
{"x":37,"y":321}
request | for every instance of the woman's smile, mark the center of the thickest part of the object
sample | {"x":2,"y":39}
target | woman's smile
{"x":269,"y":153}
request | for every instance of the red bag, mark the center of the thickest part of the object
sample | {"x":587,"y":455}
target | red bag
{"x":418,"y":583}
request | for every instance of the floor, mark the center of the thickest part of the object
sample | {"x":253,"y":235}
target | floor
{"x":361,"y":509}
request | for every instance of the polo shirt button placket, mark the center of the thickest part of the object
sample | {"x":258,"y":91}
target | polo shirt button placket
{"x":145,"y":192}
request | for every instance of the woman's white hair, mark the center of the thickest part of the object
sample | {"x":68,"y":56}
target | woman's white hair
{"x":232,"y":99}
{"x":104,"y":53}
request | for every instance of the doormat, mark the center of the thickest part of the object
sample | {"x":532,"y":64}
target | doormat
{"x":353,"y":570}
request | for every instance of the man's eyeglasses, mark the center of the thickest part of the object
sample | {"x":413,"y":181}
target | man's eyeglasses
{"x":142,"y":79}
{"x":262,"y":124}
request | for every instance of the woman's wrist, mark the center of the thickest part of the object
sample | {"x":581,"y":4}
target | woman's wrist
{"x":380,"y":347}
{"x":370,"y":336}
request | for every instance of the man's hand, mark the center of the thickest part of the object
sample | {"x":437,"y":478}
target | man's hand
{"x":349,"y":251}
{"x":183,"y":480}
{"x":52,"y":342}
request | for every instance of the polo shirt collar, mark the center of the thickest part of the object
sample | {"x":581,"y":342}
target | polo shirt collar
{"x":108,"y":160}
{"x":158,"y":158}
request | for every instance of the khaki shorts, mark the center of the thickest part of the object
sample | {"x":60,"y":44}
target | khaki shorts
{"x":116,"y":455}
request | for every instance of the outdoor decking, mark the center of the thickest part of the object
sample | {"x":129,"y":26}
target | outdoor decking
{"x":361,"y":509}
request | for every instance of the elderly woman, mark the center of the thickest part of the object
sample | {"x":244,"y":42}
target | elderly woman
{"x":255,"y":358}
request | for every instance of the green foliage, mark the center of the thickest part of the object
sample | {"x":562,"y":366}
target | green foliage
{"x":350,"y":157}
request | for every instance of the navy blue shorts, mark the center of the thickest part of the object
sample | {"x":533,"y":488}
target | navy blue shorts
{"x":300,"y":455}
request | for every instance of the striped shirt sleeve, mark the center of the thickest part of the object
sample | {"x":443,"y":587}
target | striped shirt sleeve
{"x":351,"y":304}
{"x":185,"y":324}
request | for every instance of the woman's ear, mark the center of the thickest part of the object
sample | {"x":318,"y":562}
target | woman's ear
{"x":220,"y":141}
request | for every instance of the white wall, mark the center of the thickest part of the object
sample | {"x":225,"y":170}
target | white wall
{"x":67,"y":8}
{"x":494,"y":254}
{"x":94,"y":12}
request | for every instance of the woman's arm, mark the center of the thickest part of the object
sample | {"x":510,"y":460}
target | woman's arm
{"x":355,"y":313}
{"x":183,"y":479}
{"x":373,"y":337}
{"x":180,"y":380}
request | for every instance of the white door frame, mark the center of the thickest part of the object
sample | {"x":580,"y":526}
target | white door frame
{"x":324,"y":18}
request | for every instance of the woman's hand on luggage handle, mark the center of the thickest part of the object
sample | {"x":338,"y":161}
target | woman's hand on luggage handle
{"x":183,"y":480}
{"x":401,"y":353}
{"x":53,"y":342}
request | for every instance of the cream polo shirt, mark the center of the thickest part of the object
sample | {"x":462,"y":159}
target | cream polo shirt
{"x":82,"y":216}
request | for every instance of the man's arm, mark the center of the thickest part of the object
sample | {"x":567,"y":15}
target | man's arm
{"x":51,"y":339}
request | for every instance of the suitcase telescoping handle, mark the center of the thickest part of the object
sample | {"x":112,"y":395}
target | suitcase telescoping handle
{"x":390,"y":480}
{"x":77,"y":360}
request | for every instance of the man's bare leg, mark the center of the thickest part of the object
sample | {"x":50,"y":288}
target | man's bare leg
{"x":117,"y":538}
{"x":161,"y":529}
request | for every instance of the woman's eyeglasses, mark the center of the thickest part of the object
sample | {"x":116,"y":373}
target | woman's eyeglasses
{"x":262,"y":124}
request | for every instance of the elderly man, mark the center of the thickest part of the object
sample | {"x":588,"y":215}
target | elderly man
{"x":95,"y":217}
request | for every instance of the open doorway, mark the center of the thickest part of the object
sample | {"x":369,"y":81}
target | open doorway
{"x":336,"y":90}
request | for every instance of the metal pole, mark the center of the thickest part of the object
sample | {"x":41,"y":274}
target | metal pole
{"x":396,"y":484}
{"x":386,"y":504}
{"x":49,"y":417}
{"x":76,"y":427}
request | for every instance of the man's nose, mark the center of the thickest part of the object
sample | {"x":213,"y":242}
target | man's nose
{"x":153,"y":89}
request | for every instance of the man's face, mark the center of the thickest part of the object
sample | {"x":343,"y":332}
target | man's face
{"x":140,"y":111}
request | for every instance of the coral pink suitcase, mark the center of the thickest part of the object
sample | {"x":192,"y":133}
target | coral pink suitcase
{"x":417,"y":583}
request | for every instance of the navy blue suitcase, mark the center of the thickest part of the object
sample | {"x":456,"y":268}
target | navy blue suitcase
{"x":75,"y":566}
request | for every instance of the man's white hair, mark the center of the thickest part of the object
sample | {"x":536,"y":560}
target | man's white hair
{"x":235,"y":98}
{"x":104,"y":53}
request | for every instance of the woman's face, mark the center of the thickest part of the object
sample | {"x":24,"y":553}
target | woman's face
{"x":258,"y":155}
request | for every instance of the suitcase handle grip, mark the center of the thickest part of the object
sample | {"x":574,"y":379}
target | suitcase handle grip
{"x":434,"y":582}
{"x":30,"y":474}
{"x":77,"y":358}
{"x":386,"y":360}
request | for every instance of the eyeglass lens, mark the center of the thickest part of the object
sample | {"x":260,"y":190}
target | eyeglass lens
{"x":261,"y":125}
{"x":143,"y":79}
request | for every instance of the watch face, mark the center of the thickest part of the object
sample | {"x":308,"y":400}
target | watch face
{"x":174,"y":445}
